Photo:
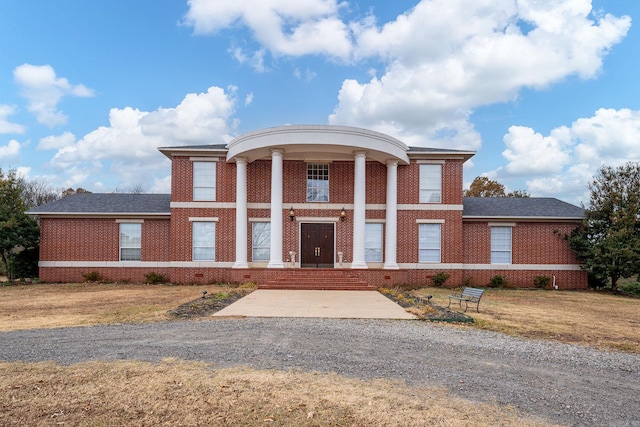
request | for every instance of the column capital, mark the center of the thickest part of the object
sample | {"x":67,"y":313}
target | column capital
{"x":359,"y":153}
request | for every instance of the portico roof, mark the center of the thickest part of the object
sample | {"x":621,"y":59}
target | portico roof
{"x":317,"y":142}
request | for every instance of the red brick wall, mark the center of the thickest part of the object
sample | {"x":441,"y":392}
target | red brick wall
{"x":88,"y":239}
{"x":409,"y":183}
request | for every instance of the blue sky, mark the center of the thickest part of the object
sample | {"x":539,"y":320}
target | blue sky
{"x":545,"y":91}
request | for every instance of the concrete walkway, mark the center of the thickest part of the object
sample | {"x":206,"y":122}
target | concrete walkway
{"x":336,"y":304}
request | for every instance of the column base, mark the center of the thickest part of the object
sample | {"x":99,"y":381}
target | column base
{"x":391,"y":266}
{"x":239,"y":264}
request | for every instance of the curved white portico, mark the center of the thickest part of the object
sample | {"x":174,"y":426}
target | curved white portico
{"x":317,"y":142}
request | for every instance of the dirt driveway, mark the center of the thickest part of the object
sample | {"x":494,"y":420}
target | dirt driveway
{"x":565,"y":384}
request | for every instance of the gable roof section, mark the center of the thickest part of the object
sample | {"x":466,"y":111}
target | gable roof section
{"x":112,"y":204}
{"x":519,"y":208}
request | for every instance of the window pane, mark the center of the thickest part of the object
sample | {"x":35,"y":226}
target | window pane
{"x":130,"y":242}
{"x":204,"y":180}
{"x":204,"y":238}
{"x":501,"y":245}
{"x":317,"y":182}
{"x":261,"y":241}
{"x":373,"y":243}
{"x":430,"y":183}
{"x":429,"y":242}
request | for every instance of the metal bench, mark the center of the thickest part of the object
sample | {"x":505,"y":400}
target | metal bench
{"x":468,"y":295}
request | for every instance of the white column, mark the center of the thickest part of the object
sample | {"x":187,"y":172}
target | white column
{"x":359,"y":209}
{"x":241,"y":214}
{"x":391,"y":228}
{"x":275,"y":259}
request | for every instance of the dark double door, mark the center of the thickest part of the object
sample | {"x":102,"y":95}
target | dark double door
{"x":316,"y":241}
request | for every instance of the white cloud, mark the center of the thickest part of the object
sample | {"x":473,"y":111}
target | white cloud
{"x":56,"y":142}
{"x":43,"y":91}
{"x":12,"y":149}
{"x":445,"y":58}
{"x":128,"y":147}
{"x":248,"y":99}
{"x":283,"y":27}
{"x":5,"y":125}
{"x":564,"y":162}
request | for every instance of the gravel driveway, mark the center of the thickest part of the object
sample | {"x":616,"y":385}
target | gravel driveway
{"x":561,"y":383}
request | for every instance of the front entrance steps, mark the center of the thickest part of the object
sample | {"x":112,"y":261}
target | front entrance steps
{"x":318,"y":279}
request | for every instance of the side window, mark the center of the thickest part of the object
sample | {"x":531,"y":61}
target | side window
{"x":429,"y":242}
{"x":204,"y":241}
{"x":130,"y":242}
{"x":430,"y":183}
{"x":260,"y":241}
{"x":317,"y":182}
{"x":500,"y":245}
{"x":373,"y":242}
{"x":204,"y":181}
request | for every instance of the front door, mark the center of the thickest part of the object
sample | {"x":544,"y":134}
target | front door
{"x":316,"y":245}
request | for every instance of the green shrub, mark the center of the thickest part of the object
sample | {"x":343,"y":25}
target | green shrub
{"x":632,"y":288}
{"x":439,"y":279}
{"x":155,"y":278}
{"x":541,"y":282}
{"x":498,"y":281}
{"x":92,"y":276}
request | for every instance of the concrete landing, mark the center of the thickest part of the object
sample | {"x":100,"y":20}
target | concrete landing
{"x":311,"y":303}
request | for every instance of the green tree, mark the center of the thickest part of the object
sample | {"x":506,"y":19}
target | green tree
{"x":608,"y":241}
{"x":18,"y":232}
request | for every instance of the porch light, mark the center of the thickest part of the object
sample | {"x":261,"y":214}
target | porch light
{"x":343,"y":214}
{"x":292,"y":213}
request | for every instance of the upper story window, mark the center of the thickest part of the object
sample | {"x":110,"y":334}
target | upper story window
{"x":317,"y":182}
{"x":130,"y":241}
{"x":204,"y":181}
{"x":500,"y":245}
{"x":430,"y":183}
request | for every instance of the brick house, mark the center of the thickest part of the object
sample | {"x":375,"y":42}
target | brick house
{"x":311,"y":201}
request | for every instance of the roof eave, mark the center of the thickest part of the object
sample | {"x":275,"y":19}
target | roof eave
{"x":521,"y":218}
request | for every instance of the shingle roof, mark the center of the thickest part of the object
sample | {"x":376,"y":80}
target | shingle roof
{"x":159,"y":204}
{"x":519,"y":207}
{"x":113,"y":203}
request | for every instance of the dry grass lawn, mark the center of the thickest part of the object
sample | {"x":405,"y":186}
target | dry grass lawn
{"x":83,"y":304}
{"x":588,"y":318}
{"x":189,"y":393}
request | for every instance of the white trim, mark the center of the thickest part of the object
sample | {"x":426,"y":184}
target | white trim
{"x":316,"y":219}
{"x":429,"y":221}
{"x":203,"y":205}
{"x":317,"y":205}
{"x":259,"y":219}
{"x":430,"y":162}
{"x":512,"y":267}
{"x":129,"y":221}
{"x":375,"y":221}
{"x":203,"y":219}
{"x":502,"y":224}
{"x":205,"y":159}
{"x":521,"y":218}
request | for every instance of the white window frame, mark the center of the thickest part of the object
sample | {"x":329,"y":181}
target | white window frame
{"x":204,"y":181}
{"x":373,"y":247}
{"x":431,"y":183}
{"x":196,"y":245}
{"x":428,"y":245}
{"x":264,"y":245}
{"x":314,"y":172}
{"x":130,"y":241}
{"x":501,"y":244}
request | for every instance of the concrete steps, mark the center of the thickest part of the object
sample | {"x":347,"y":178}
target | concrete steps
{"x":318,"y":279}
